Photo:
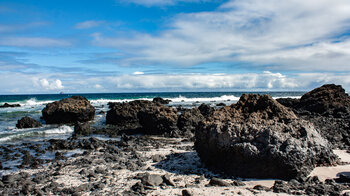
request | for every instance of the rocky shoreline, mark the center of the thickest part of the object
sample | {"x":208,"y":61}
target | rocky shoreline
{"x":199,"y":151}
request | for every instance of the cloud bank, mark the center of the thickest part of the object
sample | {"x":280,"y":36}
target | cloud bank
{"x":275,"y":35}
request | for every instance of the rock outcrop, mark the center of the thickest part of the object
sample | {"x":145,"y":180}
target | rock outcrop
{"x":27,"y":122}
{"x":161,"y":100}
{"x":69,"y":110}
{"x":6,"y":105}
{"x":144,"y":116}
{"x":328,"y":108}
{"x":260,"y":138}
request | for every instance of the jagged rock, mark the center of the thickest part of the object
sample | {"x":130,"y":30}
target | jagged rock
{"x":27,"y":122}
{"x":189,"y":120}
{"x":328,"y":108}
{"x":7,"y":105}
{"x":329,"y":99}
{"x":205,"y":109}
{"x":82,"y":129}
{"x":311,"y":186}
{"x":146,"y":116}
{"x":161,"y":100}
{"x":260,"y":138}
{"x":69,"y":110}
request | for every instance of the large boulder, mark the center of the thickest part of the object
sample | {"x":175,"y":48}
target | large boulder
{"x":260,"y":138}
{"x":27,"y":122}
{"x":69,"y":110}
{"x":328,"y":108}
{"x":145,"y":116}
{"x":327,"y":99}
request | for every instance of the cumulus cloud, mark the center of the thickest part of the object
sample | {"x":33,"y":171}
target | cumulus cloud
{"x":88,"y":24}
{"x":276,"y":33}
{"x":265,"y":80}
{"x":33,"y":42}
{"x":49,"y":85}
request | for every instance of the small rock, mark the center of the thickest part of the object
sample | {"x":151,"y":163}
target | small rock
{"x":186,"y":193}
{"x":151,"y":179}
{"x":218,"y":182}
{"x":167,"y":180}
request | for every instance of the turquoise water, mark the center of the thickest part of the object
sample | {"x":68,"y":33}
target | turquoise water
{"x":31,"y":105}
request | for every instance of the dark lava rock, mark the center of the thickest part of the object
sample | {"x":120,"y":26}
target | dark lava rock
{"x":261,"y":188}
{"x":260,"y":138}
{"x":6,"y":105}
{"x":189,"y":120}
{"x":82,"y":129}
{"x":69,"y":110}
{"x":186,"y":193}
{"x":218,"y":182}
{"x":205,"y":109}
{"x":325,"y":99}
{"x":342,"y":179}
{"x":27,"y":122}
{"x":220,"y":104}
{"x":311,"y":186}
{"x":161,"y":100}
{"x":328,"y":108}
{"x":146,"y":116}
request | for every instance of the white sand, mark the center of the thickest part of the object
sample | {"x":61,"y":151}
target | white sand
{"x":187,"y":161}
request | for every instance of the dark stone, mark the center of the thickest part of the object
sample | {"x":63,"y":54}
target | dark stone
{"x":261,"y":188}
{"x":342,"y":179}
{"x":205,"y":110}
{"x":145,"y":116}
{"x":260,"y":138}
{"x":220,"y":104}
{"x":189,"y":120}
{"x":328,"y":108}
{"x":161,"y":100}
{"x":82,"y":129}
{"x":218,"y":182}
{"x":69,"y":110}
{"x":6,"y":105}
{"x":186,"y":193}
{"x":27,"y":122}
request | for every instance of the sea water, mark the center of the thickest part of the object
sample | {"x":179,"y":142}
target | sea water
{"x":32,"y":105}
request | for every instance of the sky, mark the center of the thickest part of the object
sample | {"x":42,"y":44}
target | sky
{"x":86,"y":46}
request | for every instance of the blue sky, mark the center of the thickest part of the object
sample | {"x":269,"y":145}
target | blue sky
{"x":172,"y":45}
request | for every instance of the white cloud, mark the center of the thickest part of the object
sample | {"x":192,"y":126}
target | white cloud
{"x":48,"y":85}
{"x":266,"y":80}
{"x":33,"y":42}
{"x":279,"y":33}
{"x":88,"y":24}
{"x":98,"y":86}
{"x":138,"y":73}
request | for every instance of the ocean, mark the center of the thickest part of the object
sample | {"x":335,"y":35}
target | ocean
{"x":32,"y":105}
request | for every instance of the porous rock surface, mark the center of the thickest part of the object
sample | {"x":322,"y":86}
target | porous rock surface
{"x":328,"y":108}
{"x":145,"y":116}
{"x":69,"y":110}
{"x":27,"y":122}
{"x":260,"y":138}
